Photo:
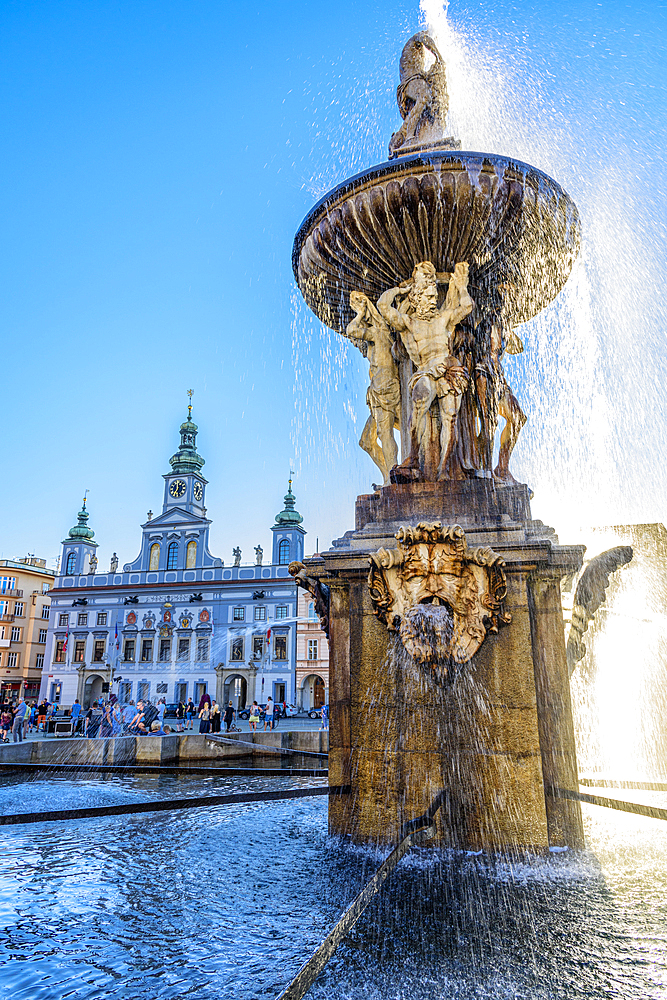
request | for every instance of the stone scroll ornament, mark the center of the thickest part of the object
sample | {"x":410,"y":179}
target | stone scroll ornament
{"x":319,"y":591}
{"x":441,"y":597}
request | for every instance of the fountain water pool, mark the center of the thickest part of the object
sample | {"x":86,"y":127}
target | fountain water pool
{"x":231,"y":901}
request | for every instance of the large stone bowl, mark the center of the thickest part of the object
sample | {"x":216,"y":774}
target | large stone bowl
{"x":514,"y":225}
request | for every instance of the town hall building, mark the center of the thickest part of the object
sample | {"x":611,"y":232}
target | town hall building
{"x":175,"y":622}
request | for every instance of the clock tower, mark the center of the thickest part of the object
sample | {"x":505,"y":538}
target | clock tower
{"x":184,"y":486}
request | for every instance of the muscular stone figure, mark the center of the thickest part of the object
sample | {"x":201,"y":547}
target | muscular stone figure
{"x":369,"y":332}
{"x":427,"y":336}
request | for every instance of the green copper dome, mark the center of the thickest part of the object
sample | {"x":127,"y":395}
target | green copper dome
{"x":186,"y":458}
{"x":289,"y":515}
{"x":81,"y":529}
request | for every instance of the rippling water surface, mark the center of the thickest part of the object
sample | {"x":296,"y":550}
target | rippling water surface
{"x":229,"y":901}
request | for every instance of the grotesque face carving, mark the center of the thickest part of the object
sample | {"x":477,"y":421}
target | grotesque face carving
{"x":439,"y":596}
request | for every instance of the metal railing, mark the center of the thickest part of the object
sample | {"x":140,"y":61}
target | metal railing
{"x":412,"y":833}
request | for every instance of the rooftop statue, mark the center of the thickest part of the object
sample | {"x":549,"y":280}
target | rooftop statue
{"x":237,"y":556}
{"x":422,"y":98}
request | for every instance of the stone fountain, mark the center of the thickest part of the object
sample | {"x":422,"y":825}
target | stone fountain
{"x":448,"y":665}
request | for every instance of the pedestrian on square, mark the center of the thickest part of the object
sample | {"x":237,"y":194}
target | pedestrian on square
{"x":325,"y":717}
{"x":268,"y":714}
{"x":205,"y":718}
{"x":161,"y":709}
{"x":190,"y":713}
{"x":254,"y":717}
{"x":215,"y":718}
{"x":74,"y":715}
{"x":180,"y":717}
{"x":41,"y":714}
{"x":19,"y":718}
{"x":116,"y":719}
{"x":276,"y":714}
{"x":93,"y":720}
{"x":5,"y":724}
{"x":129,"y":713}
{"x":106,"y":725}
{"x":230,"y":715}
{"x":205,"y":700}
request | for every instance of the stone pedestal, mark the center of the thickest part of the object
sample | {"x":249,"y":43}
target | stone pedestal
{"x":499,"y":735}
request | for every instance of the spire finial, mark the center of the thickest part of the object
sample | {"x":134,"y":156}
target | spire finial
{"x":85,"y":497}
{"x":191,"y":393}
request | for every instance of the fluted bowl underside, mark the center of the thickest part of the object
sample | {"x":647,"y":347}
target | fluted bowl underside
{"x":515,"y":226}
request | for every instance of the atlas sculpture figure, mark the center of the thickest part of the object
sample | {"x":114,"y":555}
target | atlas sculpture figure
{"x":370,"y":333}
{"x":426,"y":332}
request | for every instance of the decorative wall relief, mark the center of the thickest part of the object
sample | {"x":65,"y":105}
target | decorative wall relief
{"x":441,"y":597}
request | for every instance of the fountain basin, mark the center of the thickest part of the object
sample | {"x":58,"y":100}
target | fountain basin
{"x":512,"y":223}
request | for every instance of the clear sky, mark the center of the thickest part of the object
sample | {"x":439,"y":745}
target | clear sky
{"x":157,"y":160}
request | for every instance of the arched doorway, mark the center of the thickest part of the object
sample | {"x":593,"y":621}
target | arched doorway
{"x":92,"y":690}
{"x":236,"y":691}
{"x":312,"y":692}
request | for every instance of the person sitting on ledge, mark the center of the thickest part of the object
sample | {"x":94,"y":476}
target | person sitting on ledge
{"x":157,"y":730}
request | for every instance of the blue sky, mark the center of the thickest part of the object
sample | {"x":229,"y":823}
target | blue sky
{"x":157,"y":160}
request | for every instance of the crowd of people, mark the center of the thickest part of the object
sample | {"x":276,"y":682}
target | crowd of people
{"x":110,"y":718}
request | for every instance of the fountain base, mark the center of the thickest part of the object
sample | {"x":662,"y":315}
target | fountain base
{"x":497,"y":732}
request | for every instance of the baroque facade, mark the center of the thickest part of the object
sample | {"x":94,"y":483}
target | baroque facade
{"x":175,"y":622}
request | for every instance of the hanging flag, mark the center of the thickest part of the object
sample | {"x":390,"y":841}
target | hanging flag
{"x":268,"y":636}
{"x":116,"y":637}
{"x":65,"y":641}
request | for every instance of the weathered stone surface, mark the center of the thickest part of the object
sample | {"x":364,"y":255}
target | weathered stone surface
{"x":494,"y":736}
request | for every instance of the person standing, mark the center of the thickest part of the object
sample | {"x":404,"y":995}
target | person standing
{"x":230,"y":715}
{"x":74,"y":714}
{"x":106,"y":724}
{"x":254,"y":717}
{"x":19,"y":718}
{"x":276,"y":714}
{"x":205,"y":718}
{"x":268,"y":714}
{"x":180,"y":717}
{"x":215,"y":718}
{"x":325,"y":717}
{"x":161,"y":709}
{"x":190,"y":713}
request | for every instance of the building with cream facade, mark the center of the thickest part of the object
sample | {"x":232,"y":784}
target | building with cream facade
{"x":25,"y":601}
{"x":312,"y":656}
{"x":175,"y":622}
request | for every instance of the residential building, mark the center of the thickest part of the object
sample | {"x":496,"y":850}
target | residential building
{"x":25,"y":601}
{"x":312,"y":656}
{"x":175,"y":622}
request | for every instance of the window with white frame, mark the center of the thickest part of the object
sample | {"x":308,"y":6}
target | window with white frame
{"x":183,"y":649}
{"x":129,"y":650}
{"x":18,"y":609}
{"x":59,"y":652}
{"x":312,"y":614}
{"x":257,"y":647}
{"x":101,"y":617}
{"x":46,"y":611}
{"x":202,"y":648}
{"x":12,"y":659}
{"x":280,"y":647}
{"x":63,"y":620}
{"x":312,"y":649}
{"x":4,"y":607}
{"x":260,"y":613}
{"x":43,"y":632}
{"x":46,"y":587}
{"x":82,"y":619}
{"x":39,"y":660}
{"x":7,"y":583}
{"x":281,"y":611}
{"x":79,"y":651}
{"x":16,"y":634}
{"x":237,"y":649}
{"x":238,"y":614}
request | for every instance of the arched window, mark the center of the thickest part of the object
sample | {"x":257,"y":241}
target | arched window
{"x":191,"y":555}
{"x":172,"y":555}
{"x":283,"y":552}
{"x":155,"y":557}
{"x":71,"y":563}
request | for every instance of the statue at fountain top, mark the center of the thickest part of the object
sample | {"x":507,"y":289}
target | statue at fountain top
{"x":422,"y":99}
{"x":369,"y":332}
{"x":426,"y":332}
{"x":237,"y":556}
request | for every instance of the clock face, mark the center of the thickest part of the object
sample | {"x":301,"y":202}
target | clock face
{"x":198,"y":491}
{"x":177,"y":488}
